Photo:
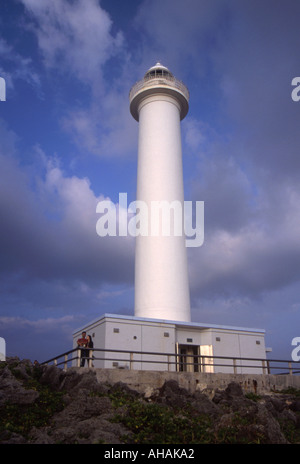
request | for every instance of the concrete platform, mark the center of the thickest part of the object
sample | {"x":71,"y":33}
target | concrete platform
{"x":147,"y":382}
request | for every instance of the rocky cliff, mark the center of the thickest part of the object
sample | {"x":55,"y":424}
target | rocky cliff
{"x":45,"y":405}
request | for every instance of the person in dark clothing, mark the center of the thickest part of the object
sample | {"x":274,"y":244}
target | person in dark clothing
{"x":90,"y":343}
{"x":90,"y":346}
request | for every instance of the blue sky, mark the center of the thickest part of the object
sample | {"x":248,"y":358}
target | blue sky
{"x":68,"y":141}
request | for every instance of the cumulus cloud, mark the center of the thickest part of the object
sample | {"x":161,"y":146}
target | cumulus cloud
{"x":246,"y":147}
{"x":261,"y":255}
{"x":235,"y":174}
{"x":240,"y":146}
{"x":74,"y":36}
{"x":76,"y":40}
{"x":112,"y":136}
{"x":49,"y":232}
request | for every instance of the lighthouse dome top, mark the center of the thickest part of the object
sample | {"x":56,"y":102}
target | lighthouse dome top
{"x":158,"y":80}
{"x":158,"y":71}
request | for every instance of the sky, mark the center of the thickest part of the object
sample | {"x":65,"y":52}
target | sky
{"x":68,"y":141}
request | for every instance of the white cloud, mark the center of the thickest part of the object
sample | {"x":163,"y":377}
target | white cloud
{"x":74,"y":36}
{"x":39,"y":325}
{"x":50,"y":232}
{"x":104,"y":130}
{"x":252,"y":226}
{"x":76,"y":40}
{"x":23,"y":68}
{"x":262,"y":256}
{"x":195,"y":135}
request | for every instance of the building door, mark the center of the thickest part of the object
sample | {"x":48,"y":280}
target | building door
{"x":188,"y":358}
{"x":207,"y":364}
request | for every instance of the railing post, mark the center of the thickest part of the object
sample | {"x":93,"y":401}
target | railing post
{"x":234,"y":365}
{"x":177,"y":359}
{"x":131,"y":361}
{"x":78,"y":357}
{"x":90,"y":360}
{"x":65,"y":364}
{"x":290,"y":368}
{"x":168,"y":362}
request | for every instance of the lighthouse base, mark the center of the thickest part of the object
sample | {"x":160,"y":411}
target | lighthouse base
{"x":128,"y":342}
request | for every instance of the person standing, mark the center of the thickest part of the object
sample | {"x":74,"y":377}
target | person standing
{"x":83,"y":343}
{"x":90,"y":346}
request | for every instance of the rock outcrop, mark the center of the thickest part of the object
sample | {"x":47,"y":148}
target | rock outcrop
{"x":46,"y":405}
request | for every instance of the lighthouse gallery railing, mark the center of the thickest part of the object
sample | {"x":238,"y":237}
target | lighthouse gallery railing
{"x":152,"y":81}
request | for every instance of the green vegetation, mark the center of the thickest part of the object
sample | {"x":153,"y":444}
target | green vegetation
{"x":20,"y":418}
{"x":160,"y":421}
{"x":157,"y":424}
{"x":290,"y":391}
{"x":253,"y":396}
{"x":154,"y":423}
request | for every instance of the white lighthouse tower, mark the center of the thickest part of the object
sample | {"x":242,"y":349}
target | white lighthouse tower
{"x":159,"y":102}
{"x":161,"y":335}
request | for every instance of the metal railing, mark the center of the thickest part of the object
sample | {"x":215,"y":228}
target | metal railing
{"x":172,"y":361}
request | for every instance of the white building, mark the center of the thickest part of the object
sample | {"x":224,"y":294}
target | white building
{"x":180,"y":346}
{"x":161,"y":323}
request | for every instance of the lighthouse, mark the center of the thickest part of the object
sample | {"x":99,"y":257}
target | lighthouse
{"x":160,"y":335}
{"x":159,"y":102}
